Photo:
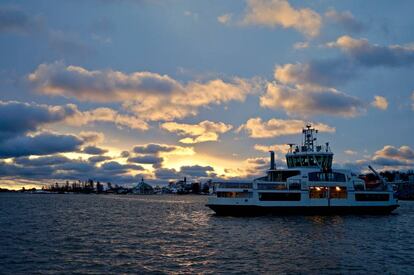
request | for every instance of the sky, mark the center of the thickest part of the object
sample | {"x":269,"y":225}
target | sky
{"x":117,"y":90}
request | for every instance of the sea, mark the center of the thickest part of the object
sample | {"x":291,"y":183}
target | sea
{"x":173,"y":234}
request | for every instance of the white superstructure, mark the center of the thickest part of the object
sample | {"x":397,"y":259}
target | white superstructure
{"x":308,"y":185}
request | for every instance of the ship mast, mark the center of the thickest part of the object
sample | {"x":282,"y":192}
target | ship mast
{"x":309,"y":139}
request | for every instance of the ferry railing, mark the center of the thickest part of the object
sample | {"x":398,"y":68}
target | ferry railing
{"x":234,"y":185}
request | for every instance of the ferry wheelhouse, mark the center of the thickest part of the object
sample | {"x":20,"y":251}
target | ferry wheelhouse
{"x":309,"y":185}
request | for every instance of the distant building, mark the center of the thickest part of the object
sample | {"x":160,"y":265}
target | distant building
{"x":143,"y":188}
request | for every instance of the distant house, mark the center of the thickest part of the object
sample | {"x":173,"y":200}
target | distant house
{"x":143,"y":188}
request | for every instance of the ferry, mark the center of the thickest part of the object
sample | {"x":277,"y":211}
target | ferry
{"x":309,"y":185}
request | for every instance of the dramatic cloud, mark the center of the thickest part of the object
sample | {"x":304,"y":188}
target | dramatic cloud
{"x":380,"y":102}
{"x":91,"y":137}
{"x":275,"y":13}
{"x":389,"y":157}
{"x":108,"y":115}
{"x":195,"y":171}
{"x":151,"y":96}
{"x":18,"y":118}
{"x":320,"y":73}
{"x":93,"y":150}
{"x":15,"y":20}
{"x":154,"y":148}
{"x":372,"y":55}
{"x":149,"y":159}
{"x":345,"y":19}
{"x":250,"y":168}
{"x":42,"y":161}
{"x":53,"y":168}
{"x":256,"y":128}
{"x":305,"y":101}
{"x":196,"y":133}
{"x":404,"y":153}
{"x":96,"y":159}
{"x":39,"y":144}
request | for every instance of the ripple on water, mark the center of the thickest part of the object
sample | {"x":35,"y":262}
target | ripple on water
{"x":92,"y":234}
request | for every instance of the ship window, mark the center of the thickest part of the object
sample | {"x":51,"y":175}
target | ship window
{"x":297,"y":161}
{"x":321,"y":176}
{"x":338,"y":192}
{"x":234,"y":194}
{"x":312,"y":161}
{"x":372,"y":197}
{"x":289,"y":162}
{"x":271,"y":186}
{"x":282,"y":176}
{"x":279,"y":196}
{"x":318,"y":192}
{"x":305,"y":161}
{"x":240,"y":185}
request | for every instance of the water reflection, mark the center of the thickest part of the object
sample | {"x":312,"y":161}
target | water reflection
{"x":177,"y":234}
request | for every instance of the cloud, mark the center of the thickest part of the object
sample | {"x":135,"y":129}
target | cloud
{"x":345,"y":19}
{"x":150,"y":96}
{"x":42,"y":161}
{"x":281,"y":148}
{"x":275,"y":13}
{"x":14,"y":20}
{"x":404,"y":153}
{"x":317,"y":73}
{"x":380,"y":102}
{"x":306,"y":101}
{"x":225,"y":18}
{"x":91,"y":137}
{"x":250,"y":168}
{"x":18,"y":118}
{"x":93,"y":150}
{"x":39,"y":144}
{"x":155,"y":149}
{"x":350,"y":152}
{"x":195,"y":171}
{"x":96,"y":159}
{"x":118,"y":168}
{"x":372,"y":55}
{"x":256,"y":128}
{"x":147,"y":159}
{"x":389,"y":157}
{"x":196,"y":133}
{"x":108,"y":115}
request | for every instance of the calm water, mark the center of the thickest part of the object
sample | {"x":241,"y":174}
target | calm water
{"x":105,"y":234}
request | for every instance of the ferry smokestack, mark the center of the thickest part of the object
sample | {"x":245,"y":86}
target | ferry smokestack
{"x":272,"y":160}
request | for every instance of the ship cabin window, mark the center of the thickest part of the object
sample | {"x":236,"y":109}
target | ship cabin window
{"x":279,"y":196}
{"x":271,"y":186}
{"x":309,"y":161}
{"x":234,"y":194}
{"x":318,"y":192}
{"x":338,"y":192}
{"x":237,"y":185}
{"x":281,"y":176}
{"x":327,"y":176}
